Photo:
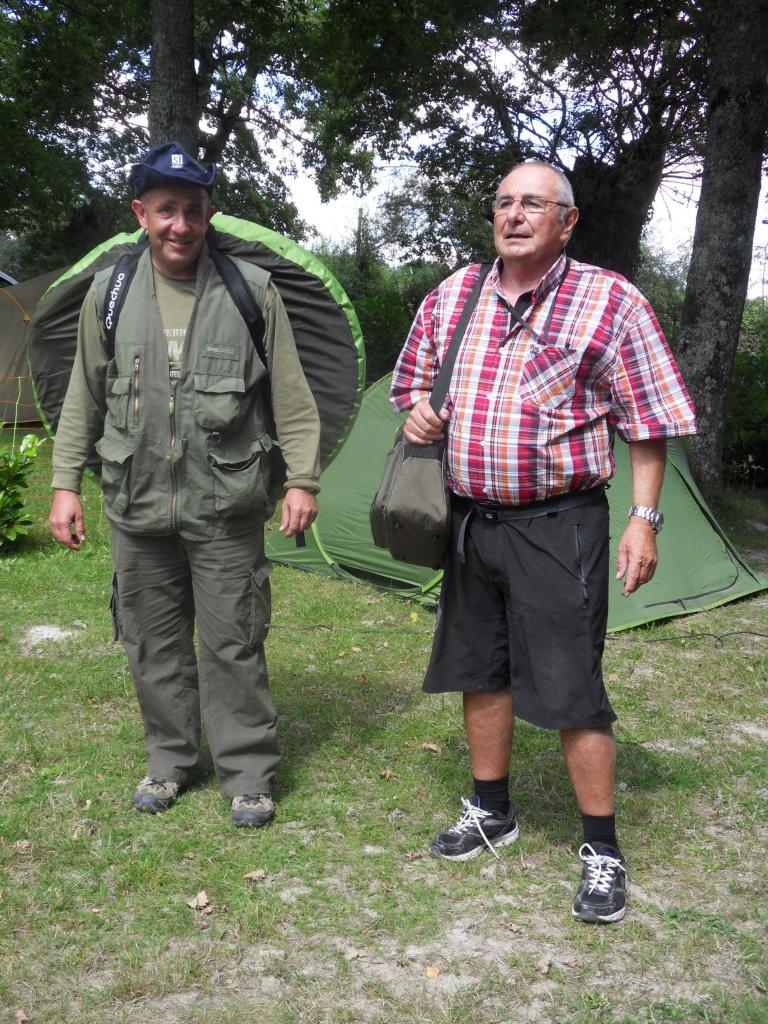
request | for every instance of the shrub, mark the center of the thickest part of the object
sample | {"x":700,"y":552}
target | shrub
{"x":745,"y":454}
{"x":15,"y":467}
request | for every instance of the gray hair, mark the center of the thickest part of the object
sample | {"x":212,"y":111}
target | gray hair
{"x":564,"y":190}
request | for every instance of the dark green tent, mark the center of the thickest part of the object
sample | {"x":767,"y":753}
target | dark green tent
{"x":17,"y":303}
{"x":324,"y":323}
{"x":698,"y":566}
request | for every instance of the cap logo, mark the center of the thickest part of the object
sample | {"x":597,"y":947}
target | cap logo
{"x":177,"y":160}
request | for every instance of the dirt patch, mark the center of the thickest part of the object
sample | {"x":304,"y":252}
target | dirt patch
{"x":750,"y":729}
{"x":36,"y":637}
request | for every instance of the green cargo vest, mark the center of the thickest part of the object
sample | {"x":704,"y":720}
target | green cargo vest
{"x":193,"y":461}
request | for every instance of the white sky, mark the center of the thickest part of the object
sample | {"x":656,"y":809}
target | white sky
{"x":672,"y":225}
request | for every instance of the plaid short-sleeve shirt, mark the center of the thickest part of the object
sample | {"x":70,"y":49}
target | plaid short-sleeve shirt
{"x":534,"y":416}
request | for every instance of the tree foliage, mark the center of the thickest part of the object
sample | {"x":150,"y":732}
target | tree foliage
{"x":615,"y":88}
{"x":385,"y":299}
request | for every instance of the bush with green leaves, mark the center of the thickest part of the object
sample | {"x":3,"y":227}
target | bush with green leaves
{"x":15,"y":468}
{"x":745,"y":449}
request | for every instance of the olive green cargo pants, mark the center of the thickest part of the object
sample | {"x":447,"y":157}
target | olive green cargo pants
{"x":161,"y":587}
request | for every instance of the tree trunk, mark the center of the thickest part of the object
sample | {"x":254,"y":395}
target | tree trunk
{"x":173,"y":105}
{"x":614,"y":201}
{"x":722,"y":245}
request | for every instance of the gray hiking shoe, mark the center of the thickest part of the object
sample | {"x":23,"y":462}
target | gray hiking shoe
{"x":253,"y":811}
{"x":155,"y":795}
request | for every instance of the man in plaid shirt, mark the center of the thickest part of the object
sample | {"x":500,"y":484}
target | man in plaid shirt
{"x":558,"y":356}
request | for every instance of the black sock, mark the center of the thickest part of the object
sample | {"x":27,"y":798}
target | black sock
{"x":492,"y":794}
{"x":600,"y":831}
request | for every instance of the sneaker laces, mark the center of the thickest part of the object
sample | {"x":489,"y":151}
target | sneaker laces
{"x":601,"y":869}
{"x":472,"y":818}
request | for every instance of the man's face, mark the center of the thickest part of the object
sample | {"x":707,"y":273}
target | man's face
{"x":175,"y":220}
{"x":531,"y":240}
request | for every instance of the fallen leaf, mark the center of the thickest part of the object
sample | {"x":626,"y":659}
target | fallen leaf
{"x":431,"y":746}
{"x":361,"y":678}
{"x":352,"y":954}
{"x":414,"y":855}
{"x":202,"y":924}
{"x":356,"y":649}
{"x":612,"y":678}
{"x":414,"y":616}
{"x":516,"y":928}
{"x":20,"y":1017}
{"x":199,"y":901}
{"x":22,"y":846}
{"x":543,"y":966}
{"x":88,"y":804}
{"x":256,"y":876}
{"x":385,"y":773}
{"x":207,"y":910}
{"x":341,"y":654}
{"x":420,"y":794}
{"x":575,"y":961}
{"x":433,"y":971}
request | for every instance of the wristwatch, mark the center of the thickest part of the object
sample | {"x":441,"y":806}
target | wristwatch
{"x":652,"y":515}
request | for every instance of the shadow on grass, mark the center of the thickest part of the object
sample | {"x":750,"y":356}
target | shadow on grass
{"x":324,"y":723}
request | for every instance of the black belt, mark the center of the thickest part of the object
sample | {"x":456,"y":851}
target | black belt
{"x":493,"y":513}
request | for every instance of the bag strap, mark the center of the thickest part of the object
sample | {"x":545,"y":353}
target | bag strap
{"x":119,"y":282}
{"x":240,"y":294}
{"x":249,"y":310}
{"x":125,"y":268}
{"x":443,"y":379}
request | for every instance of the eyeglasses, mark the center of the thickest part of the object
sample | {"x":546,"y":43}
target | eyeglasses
{"x":530,"y":204}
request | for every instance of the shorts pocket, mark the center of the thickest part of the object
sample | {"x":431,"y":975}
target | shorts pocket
{"x":219,"y":402}
{"x":116,"y":461}
{"x":240,"y":476}
{"x":549,"y":378}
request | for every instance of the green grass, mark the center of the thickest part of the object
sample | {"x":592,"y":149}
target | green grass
{"x":350,"y":913}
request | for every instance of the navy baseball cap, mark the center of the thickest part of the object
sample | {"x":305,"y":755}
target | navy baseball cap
{"x":170,"y":164}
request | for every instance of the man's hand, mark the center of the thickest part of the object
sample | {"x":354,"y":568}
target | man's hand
{"x":637,"y":556}
{"x":422,"y":426}
{"x":66,"y":519}
{"x":299,"y":511}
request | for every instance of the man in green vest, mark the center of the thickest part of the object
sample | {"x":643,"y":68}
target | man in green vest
{"x":180,"y":417}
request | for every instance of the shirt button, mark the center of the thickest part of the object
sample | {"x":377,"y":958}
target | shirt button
{"x":169,"y":457}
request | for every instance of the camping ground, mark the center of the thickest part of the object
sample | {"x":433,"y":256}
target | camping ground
{"x":335,"y":913}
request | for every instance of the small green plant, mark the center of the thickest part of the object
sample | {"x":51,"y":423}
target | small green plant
{"x":15,"y":467}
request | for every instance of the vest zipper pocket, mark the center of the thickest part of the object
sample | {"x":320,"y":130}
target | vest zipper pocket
{"x":172,"y":466}
{"x":136,"y":365}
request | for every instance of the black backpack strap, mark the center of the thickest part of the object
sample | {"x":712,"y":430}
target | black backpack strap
{"x":119,"y":282}
{"x":240,"y":294}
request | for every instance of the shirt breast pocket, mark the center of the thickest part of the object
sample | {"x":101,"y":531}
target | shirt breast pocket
{"x":549,"y":377}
